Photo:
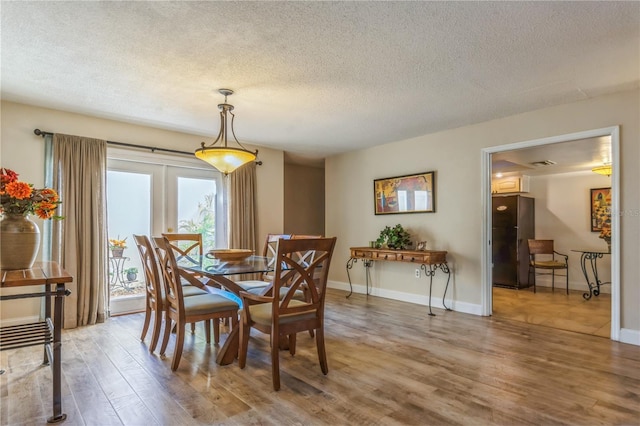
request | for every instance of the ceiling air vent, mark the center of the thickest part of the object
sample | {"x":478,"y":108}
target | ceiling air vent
{"x":543,"y":163}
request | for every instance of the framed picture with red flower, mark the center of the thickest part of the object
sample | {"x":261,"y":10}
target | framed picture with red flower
{"x":600,"y":209}
{"x":405,"y":194}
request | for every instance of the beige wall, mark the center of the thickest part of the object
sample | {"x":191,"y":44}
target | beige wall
{"x":457,"y":225}
{"x":23,"y":152}
{"x":563,"y":214}
{"x":304,"y":200}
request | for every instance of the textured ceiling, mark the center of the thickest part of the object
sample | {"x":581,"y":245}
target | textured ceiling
{"x":315,"y":78}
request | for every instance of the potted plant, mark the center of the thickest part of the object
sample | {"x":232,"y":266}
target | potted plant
{"x":394,"y":238}
{"x":132,"y":273}
{"x":117,"y":246}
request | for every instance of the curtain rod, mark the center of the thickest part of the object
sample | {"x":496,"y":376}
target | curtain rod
{"x":132,"y":145}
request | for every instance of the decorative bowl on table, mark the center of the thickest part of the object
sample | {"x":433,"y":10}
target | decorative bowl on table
{"x":230,"y":255}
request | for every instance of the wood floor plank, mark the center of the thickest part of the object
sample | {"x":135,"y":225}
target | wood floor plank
{"x":390,"y":363}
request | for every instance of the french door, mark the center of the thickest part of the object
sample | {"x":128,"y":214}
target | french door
{"x":149,"y":195}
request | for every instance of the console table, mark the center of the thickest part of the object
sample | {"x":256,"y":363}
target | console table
{"x":429,"y":260}
{"x":47,"y":332}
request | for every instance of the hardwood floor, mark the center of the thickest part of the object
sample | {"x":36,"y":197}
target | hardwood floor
{"x":389,"y":364}
{"x":555,"y":309}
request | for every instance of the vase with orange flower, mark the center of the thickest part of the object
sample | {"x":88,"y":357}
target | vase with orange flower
{"x":19,"y":235}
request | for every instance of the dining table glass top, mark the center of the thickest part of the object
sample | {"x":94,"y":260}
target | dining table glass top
{"x":215,"y":267}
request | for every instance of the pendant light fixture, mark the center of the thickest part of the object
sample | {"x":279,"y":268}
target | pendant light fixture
{"x":605,"y":169}
{"x":219,"y":154}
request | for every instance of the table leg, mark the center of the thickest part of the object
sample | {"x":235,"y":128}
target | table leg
{"x":350,"y":263}
{"x":594,"y":287}
{"x":229,"y":351}
{"x":58,"y":415}
{"x":367,"y":266}
{"x":429,"y":271}
{"x":47,"y":314}
{"x":367,"y":263}
{"x":446,"y":270}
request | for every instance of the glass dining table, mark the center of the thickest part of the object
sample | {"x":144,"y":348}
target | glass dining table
{"x":220,"y":274}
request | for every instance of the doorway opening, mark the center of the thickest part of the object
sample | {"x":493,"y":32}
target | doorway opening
{"x":547,"y":144}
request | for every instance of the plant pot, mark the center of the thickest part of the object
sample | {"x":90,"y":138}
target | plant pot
{"x":131,"y":276}
{"x":19,"y":242}
{"x":117,"y":252}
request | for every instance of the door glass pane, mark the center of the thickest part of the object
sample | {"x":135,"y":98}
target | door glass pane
{"x":197,"y":208}
{"x":129,"y":212}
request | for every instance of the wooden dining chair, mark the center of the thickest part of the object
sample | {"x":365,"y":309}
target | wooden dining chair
{"x":543,"y":256}
{"x":155,"y":301}
{"x":186,"y":246}
{"x":188,"y":310}
{"x":286,"y":316}
{"x":258,"y":286}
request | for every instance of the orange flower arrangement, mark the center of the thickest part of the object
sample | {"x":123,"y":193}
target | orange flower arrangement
{"x":17,"y":197}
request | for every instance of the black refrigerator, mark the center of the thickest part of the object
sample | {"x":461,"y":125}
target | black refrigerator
{"x":513,"y":225}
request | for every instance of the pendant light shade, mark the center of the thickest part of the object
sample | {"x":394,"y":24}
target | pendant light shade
{"x":219,"y":154}
{"x":602,"y":170}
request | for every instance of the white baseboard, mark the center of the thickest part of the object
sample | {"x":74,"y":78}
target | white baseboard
{"x":629,"y":336}
{"x":419,"y":299}
{"x":21,"y":320}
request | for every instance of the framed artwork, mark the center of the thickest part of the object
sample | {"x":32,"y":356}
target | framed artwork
{"x":600,"y":208}
{"x":405,"y":194}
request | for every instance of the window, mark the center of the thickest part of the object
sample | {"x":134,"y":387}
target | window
{"x":150,"y":194}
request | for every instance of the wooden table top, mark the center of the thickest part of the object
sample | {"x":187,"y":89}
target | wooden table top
{"x":40,"y":273}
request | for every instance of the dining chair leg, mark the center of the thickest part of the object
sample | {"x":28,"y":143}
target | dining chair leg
{"x":147,"y":319}
{"x":167,"y":332}
{"x":292,"y":343}
{"x":553,"y":280}
{"x":567,"y":272}
{"x":322,"y":353}
{"x":275,"y":362}
{"x":177,"y":351}
{"x":207,"y":331}
{"x":157,"y":322}
{"x":216,"y":330}
{"x":245,"y":330}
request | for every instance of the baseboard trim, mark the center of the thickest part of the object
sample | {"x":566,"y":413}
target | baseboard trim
{"x":629,"y":336}
{"x":419,"y":299}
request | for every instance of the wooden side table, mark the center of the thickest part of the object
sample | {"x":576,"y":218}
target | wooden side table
{"x":429,"y":260}
{"x":47,"y":332}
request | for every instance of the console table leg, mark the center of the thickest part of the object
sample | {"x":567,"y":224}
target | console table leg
{"x":446,"y":270}
{"x":367,"y":266}
{"x":429,"y":271}
{"x":350,"y":263}
{"x":58,"y":415}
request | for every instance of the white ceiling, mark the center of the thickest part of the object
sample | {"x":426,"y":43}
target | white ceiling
{"x":315,"y":78}
{"x":564,"y":157}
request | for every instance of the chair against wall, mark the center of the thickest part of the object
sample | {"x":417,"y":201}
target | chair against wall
{"x":188,"y":310}
{"x":286,"y":316}
{"x":155,"y":301}
{"x":543,"y":256}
